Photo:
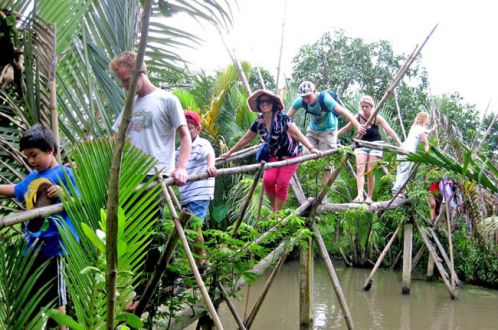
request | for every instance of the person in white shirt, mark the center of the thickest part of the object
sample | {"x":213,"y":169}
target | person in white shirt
{"x":418,"y":133}
{"x":157,"y":117}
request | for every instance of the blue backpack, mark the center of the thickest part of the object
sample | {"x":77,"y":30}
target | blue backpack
{"x":321,"y":96}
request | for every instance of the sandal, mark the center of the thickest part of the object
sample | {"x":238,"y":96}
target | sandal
{"x":368,"y":201}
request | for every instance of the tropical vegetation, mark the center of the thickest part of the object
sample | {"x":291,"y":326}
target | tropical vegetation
{"x":66,"y":84}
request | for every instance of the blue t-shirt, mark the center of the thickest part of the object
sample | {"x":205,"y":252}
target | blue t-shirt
{"x":323,"y":120}
{"x":48,"y":233}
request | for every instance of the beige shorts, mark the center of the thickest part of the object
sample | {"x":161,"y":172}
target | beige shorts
{"x":322,"y":140}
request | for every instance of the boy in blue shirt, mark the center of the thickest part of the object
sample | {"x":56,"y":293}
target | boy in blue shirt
{"x":40,"y":188}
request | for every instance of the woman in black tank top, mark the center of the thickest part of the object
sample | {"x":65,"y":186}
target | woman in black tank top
{"x":367,"y":158}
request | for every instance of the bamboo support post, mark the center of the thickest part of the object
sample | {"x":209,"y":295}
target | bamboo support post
{"x":440,"y":247}
{"x":252,"y":315}
{"x":306,"y":286}
{"x":190,"y":257}
{"x":231,"y":307}
{"x":430,"y":268}
{"x":436,"y":260}
{"x":407,"y":257}
{"x":368,"y":282}
{"x":260,"y":204}
{"x":297,"y":189}
{"x":161,"y":265}
{"x":242,"y":214}
{"x":450,"y":246}
{"x":332,"y":274}
{"x":192,"y":313}
{"x":418,"y":257}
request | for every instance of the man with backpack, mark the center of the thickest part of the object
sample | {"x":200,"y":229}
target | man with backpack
{"x":324,"y":107}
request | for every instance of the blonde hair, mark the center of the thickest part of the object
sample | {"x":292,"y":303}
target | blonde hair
{"x":368,"y":100}
{"x":421,"y":118}
{"x":126,"y":59}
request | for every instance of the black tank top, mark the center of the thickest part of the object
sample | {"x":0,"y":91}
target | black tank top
{"x":372,"y":132}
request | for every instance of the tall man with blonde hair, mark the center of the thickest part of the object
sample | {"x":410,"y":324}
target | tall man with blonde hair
{"x":157,"y":117}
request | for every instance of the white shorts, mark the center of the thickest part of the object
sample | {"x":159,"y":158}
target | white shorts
{"x":368,"y":152}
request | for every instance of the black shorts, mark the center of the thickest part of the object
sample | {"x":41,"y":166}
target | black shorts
{"x":55,"y":294}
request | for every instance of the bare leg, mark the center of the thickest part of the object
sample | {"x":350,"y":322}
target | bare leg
{"x":272,"y":199}
{"x":361,"y":161}
{"x":63,"y":310}
{"x":432,"y":204}
{"x":279,"y":204}
{"x":372,"y":161}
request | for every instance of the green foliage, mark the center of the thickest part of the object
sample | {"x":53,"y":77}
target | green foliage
{"x":20,"y":299}
{"x":476,"y":264}
{"x":86,"y":262}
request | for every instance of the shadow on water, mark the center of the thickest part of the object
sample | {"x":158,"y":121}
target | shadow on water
{"x":383,"y":307}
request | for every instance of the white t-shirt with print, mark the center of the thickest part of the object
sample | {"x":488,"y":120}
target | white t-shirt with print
{"x":155,"y":119}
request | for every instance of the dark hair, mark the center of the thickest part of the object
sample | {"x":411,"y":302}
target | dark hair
{"x":38,"y":136}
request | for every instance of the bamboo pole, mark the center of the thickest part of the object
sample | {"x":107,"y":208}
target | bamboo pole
{"x":238,"y":155}
{"x":20,"y":217}
{"x":299,"y":211}
{"x":369,"y":281}
{"x":332,"y":274}
{"x":252,"y":315}
{"x":281,"y":49}
{"x":231,"y":307}
{"x":407,"y":258}
{"x":54,"y":117}
{"x":374,"y":207}
{"x":176,"y":202}
{"x":418,"y":257}
{"x":399,"y":114}
{"x":113,"y":187}
{"x":192,"y":313}
{"x":435,"y":258}
{"x":306,"y":286}
{"x":161,"y":265}
{"x":430,"y":269}
{"x":248,"y":199}
{"x":260,"y":77}
{"x":242,"y":75}
{"x":450,"y":246}
{"x":190,"y":257}
{"x":440,"y":247}
{"x":236,"y":63}
{"x":488,"y":131}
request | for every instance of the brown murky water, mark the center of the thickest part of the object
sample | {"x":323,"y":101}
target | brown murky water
{"x":383,"y":307}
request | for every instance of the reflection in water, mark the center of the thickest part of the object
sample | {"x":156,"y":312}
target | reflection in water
{"x":428,"y":307}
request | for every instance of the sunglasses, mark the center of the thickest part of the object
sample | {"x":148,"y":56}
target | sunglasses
{"x":267,"y":101}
